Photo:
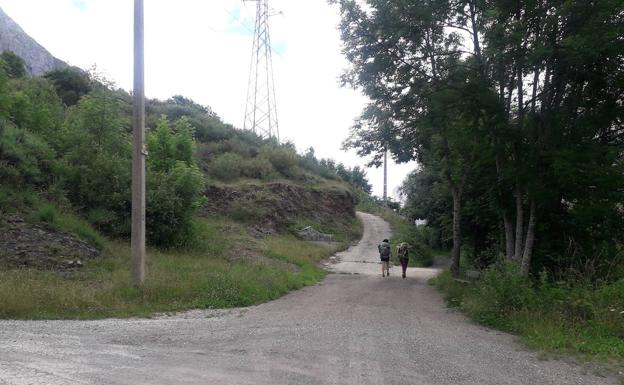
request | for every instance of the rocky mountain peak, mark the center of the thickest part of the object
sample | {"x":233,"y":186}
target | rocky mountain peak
{"x":13,"y":38}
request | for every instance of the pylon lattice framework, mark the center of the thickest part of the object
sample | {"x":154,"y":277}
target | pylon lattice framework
{"x":261,"y":108}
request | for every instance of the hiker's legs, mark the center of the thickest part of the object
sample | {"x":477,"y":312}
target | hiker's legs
{"x":387,"y":265}
{"x":383,"y":269}
{"x":404,"y":263}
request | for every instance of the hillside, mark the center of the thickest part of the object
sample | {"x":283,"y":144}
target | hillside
{"x":13,"y":38}
{"x":223,"y":205}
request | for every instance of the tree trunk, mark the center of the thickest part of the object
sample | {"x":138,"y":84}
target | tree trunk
{"x":509,"y":237}
{"x":508,"y":226}
{"x":475,"y":33}
{"x":530,"y":240}
{"x":519,"y":224}
{"x":455,"y":254}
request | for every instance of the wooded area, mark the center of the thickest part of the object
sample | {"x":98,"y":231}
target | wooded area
{"x":513,"y":110}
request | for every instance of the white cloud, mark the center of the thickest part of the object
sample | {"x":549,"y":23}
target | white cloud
{"x":201,"y":49}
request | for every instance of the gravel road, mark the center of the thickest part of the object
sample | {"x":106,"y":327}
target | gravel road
{"x":353,"y":328}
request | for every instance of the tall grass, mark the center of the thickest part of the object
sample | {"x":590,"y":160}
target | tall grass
{"x":555,"y":317}
{"x":49,"y":215}
{"x":200,"y":277}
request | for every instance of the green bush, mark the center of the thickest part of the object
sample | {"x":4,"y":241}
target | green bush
{"x":70,"y":84}
{"x":13,"y":65}
{"x":284,"y":161}
{"x":172,"y":202}
{"x":46,"y":214}
{"x":175,"y":185}
{"x":454,"y":292}
{"x":501,"y":290}
{"x":227,"y":167}
{"x":423,"y":256}
{"x":37,"y":108}
{"x":95,"y":165}
{"x":25,"y":158}
{"x":257,"y":168}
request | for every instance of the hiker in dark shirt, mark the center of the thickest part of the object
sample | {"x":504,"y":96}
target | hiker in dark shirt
{"x":384,"y":254}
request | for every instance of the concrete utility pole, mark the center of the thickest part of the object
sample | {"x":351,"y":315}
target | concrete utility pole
{"x":385,"y":194}
{"x":139,"y":152}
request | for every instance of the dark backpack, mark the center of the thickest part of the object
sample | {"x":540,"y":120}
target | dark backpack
{"x":384,"y":249}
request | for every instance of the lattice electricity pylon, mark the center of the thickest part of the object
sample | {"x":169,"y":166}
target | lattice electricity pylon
{"x":261,"y":108}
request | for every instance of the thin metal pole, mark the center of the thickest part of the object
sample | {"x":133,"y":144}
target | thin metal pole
{"x":138,"y":156}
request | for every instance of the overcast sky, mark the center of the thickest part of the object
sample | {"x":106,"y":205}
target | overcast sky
{"x":201,"y":49}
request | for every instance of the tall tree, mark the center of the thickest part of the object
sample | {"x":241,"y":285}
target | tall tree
{"x":423,"y":89}
{"x":13,"y":65}
{"x":515,"y":86}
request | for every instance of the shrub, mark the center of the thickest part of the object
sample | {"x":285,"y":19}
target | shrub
{"x":12,"y":64}
{"x":70,"y":84}
{"x":173,"y":198}
{"x":422,"y":254}
{"x":257,"y":168}
{"x":453,"y":291}
{"x":46,"y":214}
{"x":284,"y":161}
{"x":175,"y":184}
{"x":501,"y":290}
{"x":25,"y":158}
{"x":96,"y":159}
{"x":227,"y":167}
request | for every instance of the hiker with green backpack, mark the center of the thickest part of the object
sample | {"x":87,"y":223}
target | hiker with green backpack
{"x":384,"y":255}
{"x":403,"y":253}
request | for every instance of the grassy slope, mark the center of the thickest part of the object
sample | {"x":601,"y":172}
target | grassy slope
{"x":225,"y":269}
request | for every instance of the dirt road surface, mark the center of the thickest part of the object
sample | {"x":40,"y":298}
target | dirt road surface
{"x":354,"y":328}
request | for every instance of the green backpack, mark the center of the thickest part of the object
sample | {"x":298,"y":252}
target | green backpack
{"x":402,"y":250}
{"x":384,"y":249}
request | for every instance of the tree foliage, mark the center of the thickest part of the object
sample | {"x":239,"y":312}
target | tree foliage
{"x":515,"y":106}
{"x":12,"y":65}
{"x":71,"y":84}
